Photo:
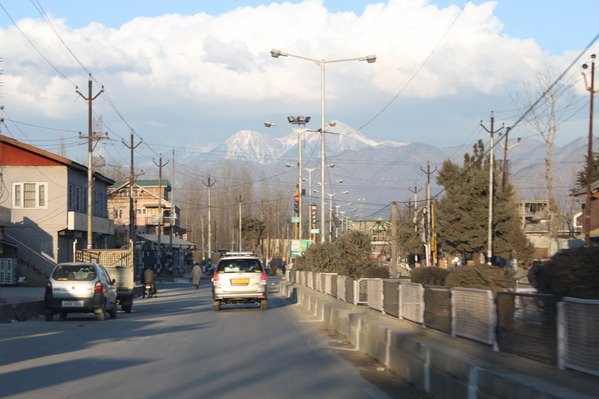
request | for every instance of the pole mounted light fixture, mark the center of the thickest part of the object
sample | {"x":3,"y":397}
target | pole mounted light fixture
{"x":276,"y":53}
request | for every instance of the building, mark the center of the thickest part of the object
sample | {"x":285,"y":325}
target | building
{"x":579,"y":217}
{"x":534,"y":218}
{"x":161,"y":241}
{"x":43,"y":205}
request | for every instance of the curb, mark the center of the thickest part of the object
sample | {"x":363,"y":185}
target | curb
{"x":21,"y":311}
{"x":436,"y":363}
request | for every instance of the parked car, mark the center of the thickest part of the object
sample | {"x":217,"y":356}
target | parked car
{"x":79,"y":287}
{"x":239,"y":277}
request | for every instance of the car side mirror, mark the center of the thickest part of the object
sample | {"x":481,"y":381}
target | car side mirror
{"x":113,"y":281}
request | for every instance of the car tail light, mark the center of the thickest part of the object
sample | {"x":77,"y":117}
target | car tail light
{"x":48,"y":287}
{"x":263,"y":277}
{"x":98,"y":288}
{"x":215,"y":278}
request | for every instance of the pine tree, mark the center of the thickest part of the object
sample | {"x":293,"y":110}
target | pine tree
{"x":462,"y":212}
{"x":581,"y":176}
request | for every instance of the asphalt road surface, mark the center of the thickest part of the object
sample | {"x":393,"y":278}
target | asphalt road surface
{"x":175,"y":346}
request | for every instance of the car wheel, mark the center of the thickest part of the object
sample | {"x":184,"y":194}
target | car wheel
{"x":263,"y":305}
{"x":101,"y":313}
{"x":126,"y":308}
{"x":112,"y":313}
{"x":63,"y":315}
{"x":216,"y":306}
{"x":49,"y":315}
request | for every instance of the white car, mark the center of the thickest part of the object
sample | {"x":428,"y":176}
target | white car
{"x":78,"y":287}
{"x":239,"y":277}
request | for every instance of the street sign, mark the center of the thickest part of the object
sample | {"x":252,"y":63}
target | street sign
{"x":295,"y":219}
{"x":314,"y":231}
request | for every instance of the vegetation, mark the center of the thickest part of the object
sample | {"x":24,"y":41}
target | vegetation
{"x":481,"y":276}
{"x":572,"y":272}
{"x":462,"y":213}
{"x":429,"y":275}
{"x":349,"y":255}
{"x":581,"y":177}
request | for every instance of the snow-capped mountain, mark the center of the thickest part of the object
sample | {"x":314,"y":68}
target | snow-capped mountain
{"x":262,"y":148}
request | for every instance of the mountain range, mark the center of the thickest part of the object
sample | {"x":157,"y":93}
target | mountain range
{"x":377,"y":173}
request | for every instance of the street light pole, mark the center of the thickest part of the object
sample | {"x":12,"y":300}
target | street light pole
{"x":322,"y":64}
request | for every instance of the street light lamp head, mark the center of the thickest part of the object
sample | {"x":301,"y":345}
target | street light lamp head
{"x":268,"y":124}
{"x":585,"y":66}
{"x":289,"y":165}
{"x":331,"y":165}
{"x":593,"y":56}
{"x":298,"y":120}
{"x":275,"y":53}
{"x":370,"y":58}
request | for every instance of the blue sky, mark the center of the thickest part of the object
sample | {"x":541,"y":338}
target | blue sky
{"x":200,"y":78}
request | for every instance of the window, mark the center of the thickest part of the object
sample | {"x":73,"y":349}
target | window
{"x":30,"y":195}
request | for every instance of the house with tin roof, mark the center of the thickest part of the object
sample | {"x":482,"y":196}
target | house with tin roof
{"x":43,"y":205}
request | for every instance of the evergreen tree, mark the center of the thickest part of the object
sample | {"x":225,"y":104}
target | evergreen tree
{"x":462,"y":212}
{"x":581,"y":176}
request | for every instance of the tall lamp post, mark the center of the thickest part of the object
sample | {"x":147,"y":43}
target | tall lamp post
{"x":300,"y":121}
{"x":322,"y":64}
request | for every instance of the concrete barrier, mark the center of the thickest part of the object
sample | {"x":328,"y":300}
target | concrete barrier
{"x":444,"y":366}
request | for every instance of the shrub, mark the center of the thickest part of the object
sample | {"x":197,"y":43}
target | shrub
{"x":429,"y":275}
{"x":481,"y":276}
{"x":376,"y":272}
{"x":571,"y":272}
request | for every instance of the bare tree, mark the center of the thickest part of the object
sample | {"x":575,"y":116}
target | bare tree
{"x":545,"y":119}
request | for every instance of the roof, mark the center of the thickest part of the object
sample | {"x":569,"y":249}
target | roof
{"x":166,"y":240}
{"x":142,"y":183}
{"x":56,"y":158}
{"x":583,"y":190}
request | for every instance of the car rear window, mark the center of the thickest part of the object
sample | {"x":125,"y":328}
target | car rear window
{"x":239,"y":266}
{"x":74,"y":273}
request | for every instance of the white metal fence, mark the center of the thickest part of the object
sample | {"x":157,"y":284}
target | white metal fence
{"x":473,"y":314}
{"x":341,"y":287}
{"x":578,"y":335}
{"x":411,"y":302}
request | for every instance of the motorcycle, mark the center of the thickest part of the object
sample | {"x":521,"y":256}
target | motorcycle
{"x":149,"y":290}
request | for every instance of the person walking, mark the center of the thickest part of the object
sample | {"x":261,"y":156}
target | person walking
{"x":196,"y":275}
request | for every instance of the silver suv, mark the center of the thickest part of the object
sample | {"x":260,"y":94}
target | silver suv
{"x":80,"y":288}
{"x":239,"y":277}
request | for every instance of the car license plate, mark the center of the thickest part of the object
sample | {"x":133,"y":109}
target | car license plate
{"x":240,"y":281}
{"x":72,"y":303}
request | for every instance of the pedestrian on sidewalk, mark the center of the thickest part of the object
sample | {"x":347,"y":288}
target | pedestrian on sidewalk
{"x":196,"y":275}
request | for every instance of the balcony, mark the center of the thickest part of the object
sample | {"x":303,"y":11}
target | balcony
{"x":77,"y":221}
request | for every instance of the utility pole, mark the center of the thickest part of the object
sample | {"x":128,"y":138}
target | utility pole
{"x":160,"y":166}
{"x":589,"y":194}
{"x":394,"y":238}
{"x":90,"y":149}
{"x":210,"y":182}
{"x":132,"y":220}
{"x":428,"y":173}
{"x":506,"y":148}
{"x":491,"y":183}
{"x":239,"y":222}
{"x":173,"y":210}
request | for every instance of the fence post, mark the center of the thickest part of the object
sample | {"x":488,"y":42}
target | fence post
{"x":562,"y":342}
{"x":452,"y":313}
{"x":399,"y":302}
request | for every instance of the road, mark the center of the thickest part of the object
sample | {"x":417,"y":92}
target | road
{"x":175,"y":346}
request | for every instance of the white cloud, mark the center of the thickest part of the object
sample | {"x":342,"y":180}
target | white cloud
{"x":181,"y":63}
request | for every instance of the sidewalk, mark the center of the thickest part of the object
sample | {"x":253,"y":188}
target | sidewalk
{"x":21,"y":303}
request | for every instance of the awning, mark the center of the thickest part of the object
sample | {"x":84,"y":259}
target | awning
{"x":166,"y":240}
